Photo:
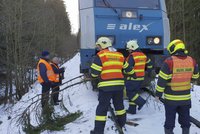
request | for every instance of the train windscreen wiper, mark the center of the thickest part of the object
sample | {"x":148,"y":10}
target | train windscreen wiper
{"x":107,"y":4}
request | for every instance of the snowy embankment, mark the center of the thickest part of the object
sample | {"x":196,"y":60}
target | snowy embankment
{"x":81,"y":97}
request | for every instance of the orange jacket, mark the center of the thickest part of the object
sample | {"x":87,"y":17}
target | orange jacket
{"x":140,"y":63}
{"x":112,"y":64}
{"x":182,"y":73}
{"x":50,"y":73}
{"x":56,"y":76}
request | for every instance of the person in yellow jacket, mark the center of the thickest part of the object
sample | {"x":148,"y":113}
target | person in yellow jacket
{"x":108,"y":66}
{"x":175,"y":77}
{"x":46,"y":76}
{"x":139,"y":63}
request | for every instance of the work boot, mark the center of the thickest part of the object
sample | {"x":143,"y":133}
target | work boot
{"x":185,"y":131}
{"x":131,"y":109}
{"x":140,"y":102}
{"x":169,"y":131}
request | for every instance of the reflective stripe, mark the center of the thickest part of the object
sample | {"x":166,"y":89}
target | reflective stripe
{"x":96,"y":67}
{"x":125,"y":65}
{"x":177,"y":97}
{"x":110,"y":54}
{"x":137,"y":79}
{"x":139,"y":57}
{"x":120,"y":112}
{"x":131,"y":72}
{"x":132,"y":103}
{"x":135,"y":97}
{"x":148,"y":61}
{"x":139,"y":70}
{"x":165,"y":76}
{"x":112,"y":63}
{"x":111,"y":83}
{"x":140,"y":63}
{"x":149,"y":66}
{"x":94,"y":75}
{"x":100,"y":118}
{"x":179,"y":84}
{"x":160,"y":89}
{"x":195,"y":76}
{"x":111,"y":71}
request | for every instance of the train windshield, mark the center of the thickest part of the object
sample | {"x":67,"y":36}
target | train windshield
{"x":144,"y":4}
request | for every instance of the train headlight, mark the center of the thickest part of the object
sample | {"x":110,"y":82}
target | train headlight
{"x":129,"y":14}
{"x":156,"y":40}
{"x":153,"y":40}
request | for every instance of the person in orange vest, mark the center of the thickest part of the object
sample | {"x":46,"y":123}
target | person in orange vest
{"x":45,"y":76}
{"x":58,"y":72}
{"x":138,"y":61}
{"x":175,"y":77}
{"x":107,"y":66}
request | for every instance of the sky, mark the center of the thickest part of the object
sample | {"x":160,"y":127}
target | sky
{"x":72,"y":9}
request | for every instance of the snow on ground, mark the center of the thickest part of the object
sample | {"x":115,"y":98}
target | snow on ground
{"x":81,"y":97}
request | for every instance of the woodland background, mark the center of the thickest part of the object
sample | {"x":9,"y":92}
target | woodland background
{"x":29,"y":26}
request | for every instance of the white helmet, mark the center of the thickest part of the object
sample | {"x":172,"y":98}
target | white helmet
{"x":132,"y":45}
{"x":104,"y":42}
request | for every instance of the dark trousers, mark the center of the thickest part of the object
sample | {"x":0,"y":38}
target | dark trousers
{"x":170,"y":115}
{"x":45,"y":95}
{"x":102,"y":108}
{"x":132,"y":89}
{"x":55,"y":93}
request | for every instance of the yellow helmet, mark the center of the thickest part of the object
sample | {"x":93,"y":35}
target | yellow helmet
{"x":104,"y":42}
{"x":132,"y":45}
{"x":176,"y":45}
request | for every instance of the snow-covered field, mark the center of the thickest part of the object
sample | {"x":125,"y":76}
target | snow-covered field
{"x":82,"y":98}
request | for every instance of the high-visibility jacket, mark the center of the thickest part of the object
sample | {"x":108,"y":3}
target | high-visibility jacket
{"x":182,"y":73}
{"x":112,"y":64}
{"x":56,"y":75}
{"x":108,"y":66}
{"x":140,"y":63}
{"x":175,"y":77}
{"x":50,"y":73}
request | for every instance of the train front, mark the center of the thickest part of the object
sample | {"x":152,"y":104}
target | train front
{"x":124,"y":20}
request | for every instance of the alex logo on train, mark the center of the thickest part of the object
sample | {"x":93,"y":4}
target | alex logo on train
{"x":130,"y":26}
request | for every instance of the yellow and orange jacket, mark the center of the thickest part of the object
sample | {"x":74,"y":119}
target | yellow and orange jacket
{"x":109,"y":65}
{"x":175,"y":79}
{"x":139,"y":62}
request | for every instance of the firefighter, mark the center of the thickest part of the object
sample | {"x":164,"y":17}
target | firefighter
{"x":138,"y":61}
{"x":58,"y":73}
{"x":45,"y":76}
{"x":107,"y":66}
{"x":175,"y":77}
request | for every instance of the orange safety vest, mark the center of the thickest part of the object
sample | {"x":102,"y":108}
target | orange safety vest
{"x":56,"y":76}
{"x":182,"y":73}
{"x":140,"y":63}
{"x":50,"y":73}
{"x":112,"y":64}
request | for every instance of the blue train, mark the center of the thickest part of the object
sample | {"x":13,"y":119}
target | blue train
{"x":121,"y":21}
